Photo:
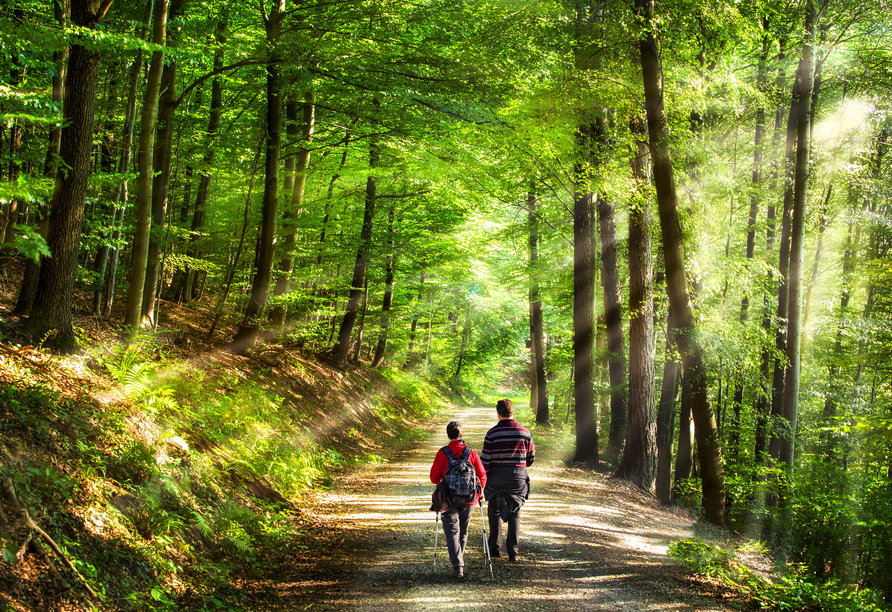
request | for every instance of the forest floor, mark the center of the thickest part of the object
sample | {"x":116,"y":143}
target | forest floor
{"x":588,"y":542}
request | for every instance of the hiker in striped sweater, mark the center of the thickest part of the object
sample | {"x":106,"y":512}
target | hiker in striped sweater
{"x":508,"y":451}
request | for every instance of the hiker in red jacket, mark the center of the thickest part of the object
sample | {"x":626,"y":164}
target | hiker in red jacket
{"x":458,"y":516}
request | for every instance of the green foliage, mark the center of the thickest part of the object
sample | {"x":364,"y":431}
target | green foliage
{"x":787,"y":592}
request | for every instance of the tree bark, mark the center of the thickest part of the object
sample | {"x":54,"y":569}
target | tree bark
{"x":613,"y":319}
{"x":247,"y":333}
{"x":537,"y":327}
{"x":299,"y":181}
{"x":51,"y":312}
{"x":362,"y":255}
{"x":204,"y":182}
{"x":708,"y":442}
{"x":140,"y":249}
{"x":584,"y":306}
{"x":162,"y":157}
{"x":666,"y":415}
{"x":797,"y":240}
{"x":381,"y":346}
{"x":31,"y":273}
{"x":639,"y":463}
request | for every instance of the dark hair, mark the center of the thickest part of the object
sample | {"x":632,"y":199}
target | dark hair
{"x":454,"y":430}
{"x":505,"y":408}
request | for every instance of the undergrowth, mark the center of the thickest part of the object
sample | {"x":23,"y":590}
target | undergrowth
{"x":785,"y":589}
{"x":158,"y":479}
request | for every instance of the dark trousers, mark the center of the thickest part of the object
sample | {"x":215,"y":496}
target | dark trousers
{"x":506,"y":490}
{"x":495,"y":528}
{"x":455,"y":528}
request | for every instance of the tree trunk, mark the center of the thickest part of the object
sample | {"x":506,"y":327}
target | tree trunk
{"x":51,"y":311}
{"x":409,"y":353}
{"x":537,"y":327}
{"x":708,"y":443}
{"x":780,"y":344}
{"x":362,"y":255}
{"x":613,"y":319}
{"x":797,"y":240}
{"x":162,"y":157}
{"x":31,"y":274}
{"x":140,"y":249}
{"x":390,"y":264}
{"x":299,"y":181}
{"x":584,"y":306}
{"x":247,"y":333}
{"x":666,"y":415}
{"x":639,"y":463}
{"x":204,"y":181}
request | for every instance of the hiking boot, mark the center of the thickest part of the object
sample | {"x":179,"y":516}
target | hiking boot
{"x":459,"y":572}
{"x":512,"y":559}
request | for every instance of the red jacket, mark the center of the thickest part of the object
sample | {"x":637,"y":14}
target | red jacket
{"x":441,"y":463}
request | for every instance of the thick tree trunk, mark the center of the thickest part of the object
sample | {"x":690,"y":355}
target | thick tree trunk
{"x":708,"y":442}
{"x":639,"y":463}
{"x":298,"y":185}
{"x":51,"y":311}
{"x":31,"y":274}
{"x":584,"y":306}
{"x":537,"y":326}
{"x":362,"y":255}
{"x":140,"y":249}
{"x":247,"y":333}
{"x":381,"y":346}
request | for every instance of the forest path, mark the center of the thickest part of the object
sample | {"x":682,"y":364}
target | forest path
{"x":587,"y":542}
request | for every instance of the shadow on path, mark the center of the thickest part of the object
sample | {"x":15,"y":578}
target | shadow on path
{"x":587,"y":543}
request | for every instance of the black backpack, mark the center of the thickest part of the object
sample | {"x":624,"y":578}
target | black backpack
{"x":461,"y":477}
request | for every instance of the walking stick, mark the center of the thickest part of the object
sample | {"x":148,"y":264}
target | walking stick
{"x":487,"y":560}
{"x":436,"y":535}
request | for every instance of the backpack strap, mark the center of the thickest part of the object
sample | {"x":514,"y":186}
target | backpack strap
{"x":466,"y":453}
{"x":448,"y":454}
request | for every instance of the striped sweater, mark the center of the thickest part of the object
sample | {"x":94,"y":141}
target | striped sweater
{"x":508,"y":445}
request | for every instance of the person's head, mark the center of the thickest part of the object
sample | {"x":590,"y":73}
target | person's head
{"x":505,"y":408}
{"x":454,"y":430}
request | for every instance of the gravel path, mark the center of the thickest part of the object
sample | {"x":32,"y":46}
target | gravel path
{"x":587,"y":542}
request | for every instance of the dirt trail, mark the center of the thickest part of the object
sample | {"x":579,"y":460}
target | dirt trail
{"x":587,"y":543}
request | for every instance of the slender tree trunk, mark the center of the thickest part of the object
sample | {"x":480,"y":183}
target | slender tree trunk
{"x":390,"y":264}
{"x":301,"y":163}
{"x":140,"y":249}
{"x":639,"y":463}
{"x":613,"y":318}
{"x":666,"y":415}
{"x":755,"y":202}
{"x":537,"y":327}
{"x":51,"y":311}
{"x":777,"y":396}
{"x":819,"y":251}
{"x":362,"y":255}
{"x":161,"y":163}
{"x":708,"y":443}
{"x":410,"y":356}
{"x":247,"y":333}
{"x":204,"y":181}
{"x":797,"y":239}
{"x":584,"y":306}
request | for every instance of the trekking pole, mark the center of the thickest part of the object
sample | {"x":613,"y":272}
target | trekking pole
{"x":487,"y":560}
{"x":436,"y":535}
